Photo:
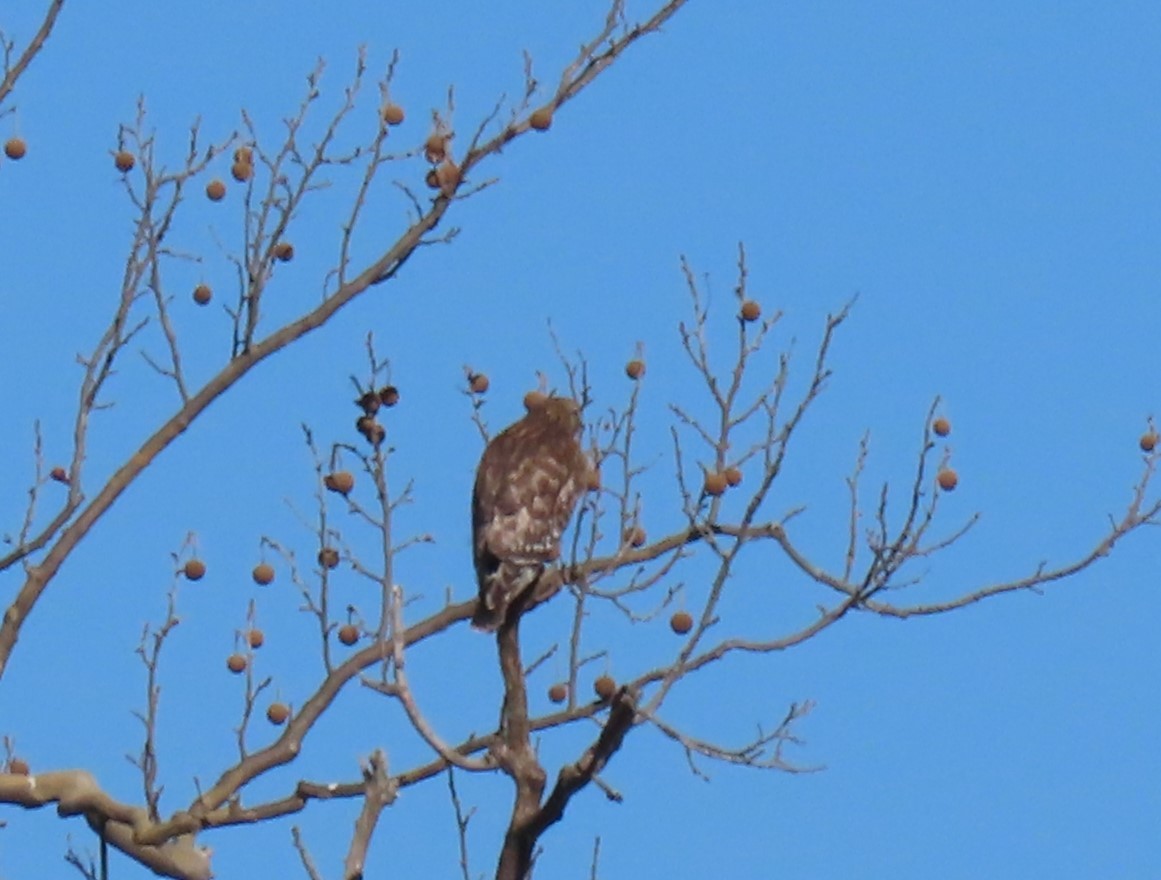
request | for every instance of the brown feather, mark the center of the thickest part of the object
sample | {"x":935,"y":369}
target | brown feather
{"x":528,"y":482}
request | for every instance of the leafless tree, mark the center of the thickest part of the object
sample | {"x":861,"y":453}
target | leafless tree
{"x":728,"y":444}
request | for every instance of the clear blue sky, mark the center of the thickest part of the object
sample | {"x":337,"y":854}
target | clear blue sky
{"x":987,"y":179}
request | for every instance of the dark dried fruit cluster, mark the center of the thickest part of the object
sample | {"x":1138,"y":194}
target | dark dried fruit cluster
{"x":370,"y":403}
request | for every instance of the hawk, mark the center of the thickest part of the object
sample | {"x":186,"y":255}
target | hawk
{"x":528,"y":482}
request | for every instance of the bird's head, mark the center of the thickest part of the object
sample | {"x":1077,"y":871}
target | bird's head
{"x":562,"y":413}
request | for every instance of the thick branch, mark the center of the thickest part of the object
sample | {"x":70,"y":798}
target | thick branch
{"x":40,"y":575}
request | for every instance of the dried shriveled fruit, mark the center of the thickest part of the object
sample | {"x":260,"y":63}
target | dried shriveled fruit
{"x":59,"y":474}
{"x":447,"y":176}
{"x":277,"y":713}
{"x":348,"y":634}
{"x":371,"y":430}
{"x":751,"y":310}
{"x":947,"y":479}
{"x":328,"y":557}
{"x":194,"y":569}
{"x":389,"y":395}
{"x":124,"y":161}
{"x":593,"y":480}
{"x":368,"y":403}
{"x":215,"y":190}
{"x":340,"y":481}
{"x":15,"y":148}
{"x":715,"y":483}
{"x":681,"y":622}
{"x":435,"y":147}
{"x":941,"y":426}
{"x":236,"y":663}
{"x":541,"y":118}
{"x":558,"y":693}
{"x":605,"y":687}
{"x":263,"y":574}
{"x":202,"y":294}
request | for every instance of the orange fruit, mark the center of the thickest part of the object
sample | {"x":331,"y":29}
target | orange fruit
{"x":389,"y":395}
{"x":59,"y":474}
{"x":1149,"y":441}
{"x":244,"y":154}
{"x":263,"y":573}
{"x":124,"y":161}
{"x":478,"y":383}
{"x":15,"y":148}
{"x":256,"y":638}
{"x":241,"y":171}
{"x":941,"y":426}
{"x":284,"y":251}
{"x":635,"y":536}
{"x":392,"y":114}
{"x":348,"y":634}
{"x":340,"y":481}
{"x":947,"y":479}
{"x":541,"y":118}
{"x":215,"y":190}
{"x":605,"y":687}
{"x":681,"y":622}
{"x":202,"y":294}
{"x":715,"y":483}
{"x":558,"y":693}
{"x":277,"y":713}
{"x":751,"y":310}
{"x":635,"y":369}
{"x":195,"y":569}
{"x":733,"y":476}
{"x":236,"y":663}
{"x":328,"y":557}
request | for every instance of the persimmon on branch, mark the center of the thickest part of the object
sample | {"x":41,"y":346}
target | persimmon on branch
{"x":884,"y":552}
{"x":293,"y":172}
{"x":729,"y":450}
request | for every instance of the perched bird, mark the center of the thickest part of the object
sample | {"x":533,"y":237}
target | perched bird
{"x":528,"y":482}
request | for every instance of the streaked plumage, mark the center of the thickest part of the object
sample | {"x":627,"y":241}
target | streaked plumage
{"x":527,"y":484}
